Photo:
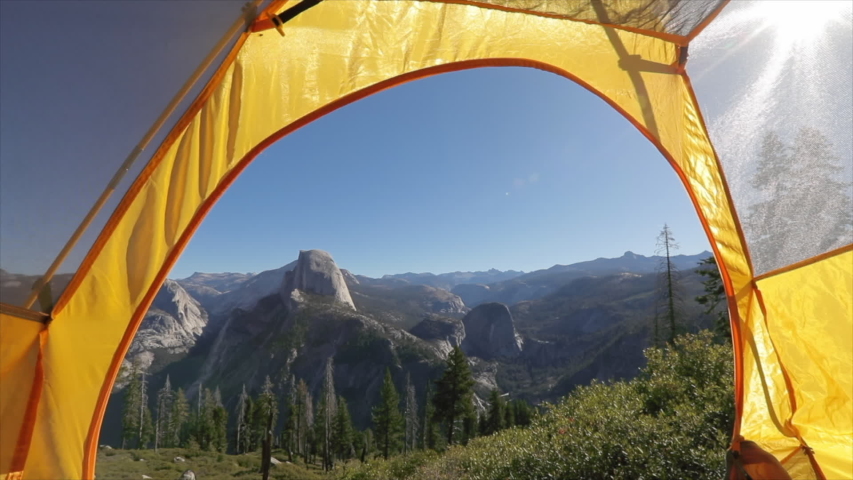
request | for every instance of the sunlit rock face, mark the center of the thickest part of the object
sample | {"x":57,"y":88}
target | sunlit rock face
{"x":435,"y":300}
{"x":170,"y":328}
{"x":490,"y":332}
{"x":174,"y":321}
{"x":316,"y":273}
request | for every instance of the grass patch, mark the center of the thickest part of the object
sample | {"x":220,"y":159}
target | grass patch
{"x":115,"y":464}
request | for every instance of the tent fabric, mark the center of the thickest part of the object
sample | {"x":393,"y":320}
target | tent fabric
{"x":677,"y":18}
{"x":806,"y":335}
{"x":338,"y":52}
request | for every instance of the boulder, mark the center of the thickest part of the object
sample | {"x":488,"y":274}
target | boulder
{"x":188,"y":475}
{"x":179,"y":460}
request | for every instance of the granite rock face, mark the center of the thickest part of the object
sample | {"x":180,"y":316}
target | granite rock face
{"x":435,"y":300}
{"x":316,"y":273}
{"x":171,"y":327}
{"x":445,"y":333}
{"x":490,"y":332}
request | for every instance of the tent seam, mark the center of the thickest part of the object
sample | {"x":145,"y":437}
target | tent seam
{"x":805,"y":263}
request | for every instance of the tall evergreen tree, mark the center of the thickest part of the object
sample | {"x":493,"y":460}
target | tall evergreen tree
{"x":243,"y":416}
{"x":326,"y":416}
{"x":482,"y":424}
{"x":386,"y":417}
{"x":267,"y":406}
{"x":509,"y":417}
{"x":205,"y":425}
{"x":669,"y":292}
{"x":453,"y":392}
{"x":178,"y":420}
{"x":137,"y":426}
{"x":430,"y":433}
{"x":343,"y":431}
{"x":469,"y":424}
{"x":290,"y":424}
{"x":219,"y":423}
{"x":305,"y":419}
{"x":495,"y":416}
{"x":130,"y":410}
{"x":410,"y":416}
{"x":522,"y":412}
{"x":146,"y":424}
{"x":164,"y":410}
{"x":367,"y":444}
{"x":714,"y":299}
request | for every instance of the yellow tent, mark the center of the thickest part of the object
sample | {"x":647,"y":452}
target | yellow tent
{"x":294,"y":62}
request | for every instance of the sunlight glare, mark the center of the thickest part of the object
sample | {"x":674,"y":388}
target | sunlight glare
{"x":803,"y":21}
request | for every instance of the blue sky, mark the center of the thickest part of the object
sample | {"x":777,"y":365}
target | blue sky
{"x":494,"y":168}
{"x":504,"y":168}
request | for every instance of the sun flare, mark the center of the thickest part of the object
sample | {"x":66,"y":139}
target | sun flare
{"x":803,"y":21}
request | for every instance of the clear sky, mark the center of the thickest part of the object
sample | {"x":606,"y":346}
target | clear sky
{"x":494,"y":168}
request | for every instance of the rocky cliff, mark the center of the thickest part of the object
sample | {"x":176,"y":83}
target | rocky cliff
{"x":171,"y":327}
{"x":316,"y":273}
{"x":445,"y":333}
{"x":490,"y":332}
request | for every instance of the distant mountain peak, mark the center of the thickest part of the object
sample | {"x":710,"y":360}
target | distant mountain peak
{"x":316,"y":272}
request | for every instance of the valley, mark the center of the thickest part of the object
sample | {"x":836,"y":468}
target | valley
{"x":534,"y":336}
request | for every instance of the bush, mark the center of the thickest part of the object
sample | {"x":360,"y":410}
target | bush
{"x":672,"y":422}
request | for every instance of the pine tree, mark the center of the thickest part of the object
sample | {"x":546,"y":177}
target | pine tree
{"x":326,"y":416}
{"x":290,"y":424}
{"x":130,"y":411}
{"x":367,"y":444}
{"x":318,"y":433}
{"x":304,"y":419}
{"x":137,"y":425}
{"x":146,"y":425}
{"x":219,"y":423}
{"x":469,"y":424}
{"x":243,"y":416}
{"x":714,"y":299}
{"x":178,"y":420}
{"x":453,"y":392}
{"x":495,"y":418}
{"x":257,"y":421}
{"x":146,"y":432}
{"x":669,"y":292}
{"x":410,"y":415}
{"x":198,"y":429}
{"x":164,"y":410}
{"x":205,"y":423}
{"x":343,"y":431}
{"x":267,"y":407}
{"x":386,"y":417}
{"x":430,"y":434}
{"x":509,"y":418}
{"x":522,"y":412}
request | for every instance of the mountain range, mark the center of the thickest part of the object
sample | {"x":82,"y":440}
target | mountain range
{"x":533,"y":335}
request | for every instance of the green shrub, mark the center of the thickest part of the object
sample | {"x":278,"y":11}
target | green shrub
{"x":671,"y":422}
